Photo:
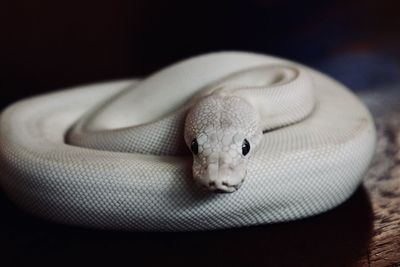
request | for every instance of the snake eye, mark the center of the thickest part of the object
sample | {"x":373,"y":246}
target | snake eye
{"x":245,"y":147}
{"x":194,"y":146}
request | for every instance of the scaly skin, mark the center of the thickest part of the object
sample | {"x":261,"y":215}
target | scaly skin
{"x":219,"y":124}
{"x":125,"y":168}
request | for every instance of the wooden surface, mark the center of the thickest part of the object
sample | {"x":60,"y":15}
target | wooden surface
{"x":364,"y":231}
{"x":383,"y":184}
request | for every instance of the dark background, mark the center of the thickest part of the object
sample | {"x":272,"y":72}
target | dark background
{"x":46,"y":45}
{"x":49,"y":45}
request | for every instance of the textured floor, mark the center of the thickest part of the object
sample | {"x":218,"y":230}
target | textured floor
{"x":383,"y":183}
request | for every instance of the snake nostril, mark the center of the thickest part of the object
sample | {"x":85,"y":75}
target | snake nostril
{"x":211,"y":183}
{"x":226,"y":184}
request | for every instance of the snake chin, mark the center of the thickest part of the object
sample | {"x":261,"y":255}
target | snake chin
{"x":228,"y":188}
{"x":223,"y":187}
{"x":221,"y":179}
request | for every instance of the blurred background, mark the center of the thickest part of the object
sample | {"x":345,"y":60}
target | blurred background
{"x":47,"y":45}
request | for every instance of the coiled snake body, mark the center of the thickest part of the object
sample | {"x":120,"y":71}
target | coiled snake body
{"x":117,"y":155}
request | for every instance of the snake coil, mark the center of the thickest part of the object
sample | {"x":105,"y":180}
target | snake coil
{"x":116,"y":155}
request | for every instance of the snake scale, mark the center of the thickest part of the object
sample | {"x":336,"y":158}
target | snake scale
{"x":221,"y":140}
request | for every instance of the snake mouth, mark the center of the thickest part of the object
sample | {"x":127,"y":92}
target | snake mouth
{"x":225,"y":178}
{"x":224,"y":187}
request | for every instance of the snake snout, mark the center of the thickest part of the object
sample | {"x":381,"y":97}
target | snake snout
{"x":224,"y":178}
{"x":224,"y":187}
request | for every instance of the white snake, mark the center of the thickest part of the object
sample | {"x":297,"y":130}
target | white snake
{"x":113,"y":155}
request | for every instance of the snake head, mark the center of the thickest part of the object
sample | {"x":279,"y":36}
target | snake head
{"x":222,"y":132}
